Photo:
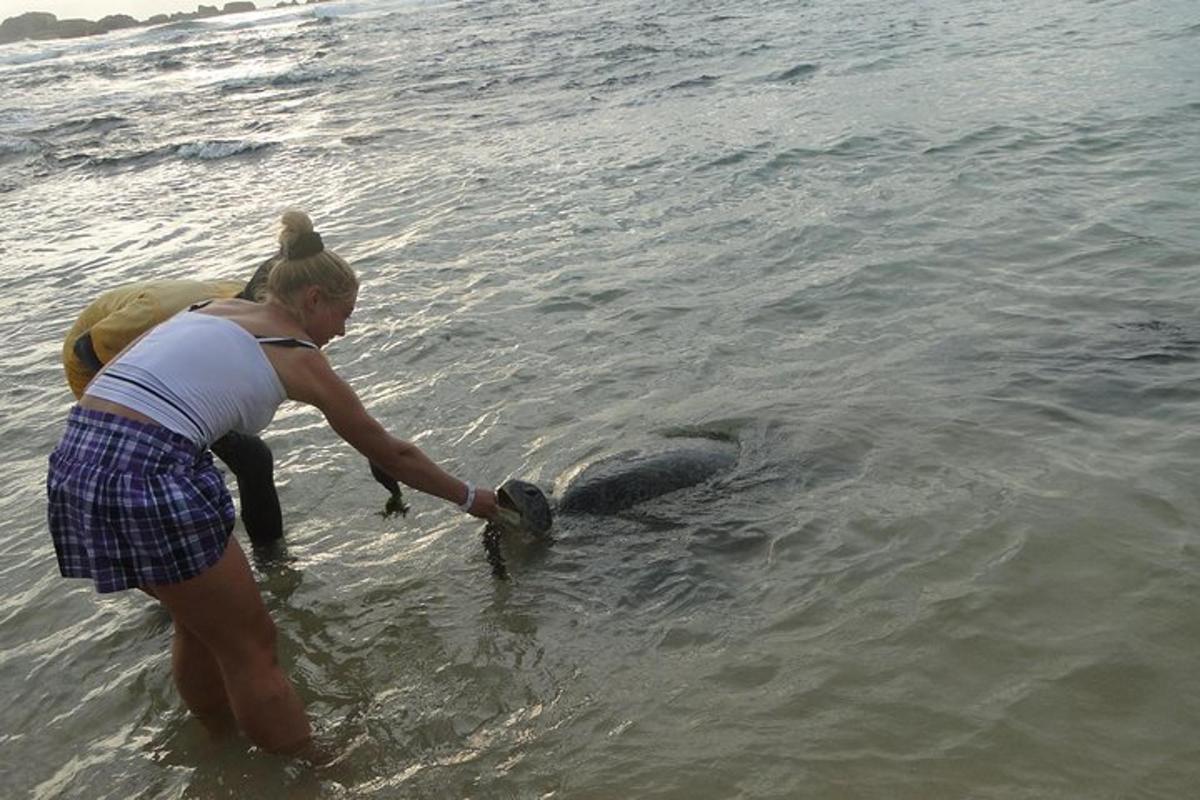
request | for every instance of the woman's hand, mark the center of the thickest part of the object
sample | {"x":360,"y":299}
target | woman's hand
{"x":484,"y":505}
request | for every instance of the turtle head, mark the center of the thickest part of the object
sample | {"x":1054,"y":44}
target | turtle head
{"x":523,"y":509}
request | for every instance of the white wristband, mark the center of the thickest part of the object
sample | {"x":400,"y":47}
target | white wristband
{"x":470,"y":501}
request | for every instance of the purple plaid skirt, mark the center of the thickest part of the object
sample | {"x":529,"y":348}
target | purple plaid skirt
{"x":134,"y":504}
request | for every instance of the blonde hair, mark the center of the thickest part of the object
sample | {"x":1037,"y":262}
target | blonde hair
{"x":303,"y":261}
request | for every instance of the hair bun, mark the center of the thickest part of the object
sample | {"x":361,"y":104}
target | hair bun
{"x":305,"y":245}
{"x":303,"y":261}
{"x":294,"y":224}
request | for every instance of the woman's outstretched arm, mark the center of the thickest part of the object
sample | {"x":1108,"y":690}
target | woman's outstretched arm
{"x":310,"y":379}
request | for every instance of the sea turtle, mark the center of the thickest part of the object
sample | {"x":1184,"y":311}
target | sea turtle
{"x":607,"y":485}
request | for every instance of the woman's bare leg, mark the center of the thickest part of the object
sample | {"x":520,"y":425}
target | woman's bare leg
{"x":200,"y":683}
{"x":198,"y":679}
{"x":223,"y":611}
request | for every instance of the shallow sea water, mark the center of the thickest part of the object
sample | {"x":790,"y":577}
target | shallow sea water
{"x":931,"y":265}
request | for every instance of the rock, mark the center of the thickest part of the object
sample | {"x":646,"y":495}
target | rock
{"x":40,"y":25}
{"x":33,"y":25}
{"x":116,"y":22}
{"x":72,"y":29}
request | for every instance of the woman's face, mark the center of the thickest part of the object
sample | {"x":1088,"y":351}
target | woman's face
{"x":325,"y":318}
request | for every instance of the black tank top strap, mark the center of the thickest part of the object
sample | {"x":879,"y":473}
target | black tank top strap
{"x":286,"y":341}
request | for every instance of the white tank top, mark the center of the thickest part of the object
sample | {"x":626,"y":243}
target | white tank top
{"x":198,"y":375}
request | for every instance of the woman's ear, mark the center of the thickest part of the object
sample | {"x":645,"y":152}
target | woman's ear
{"x":312,"y":297}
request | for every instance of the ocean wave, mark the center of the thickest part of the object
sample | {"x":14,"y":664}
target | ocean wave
{"x":989,"y":138}
{"x":798,"y":72}
{"x":700,"y":82}
{"x":443,"y":86}
{"x":219,"y":148}
{"x":17,"y":147}
{"x":362,"y":138}
{"x":304,"y":75}
{"x":102,"y":123}
{"x":17,"y":116}
{"x":609,"y":82}
{"x":170,"y":33}
{"x":209,"y":150}
{"x":300,"y":76}
{"x":629,"y":52}
{"x":84,"y":159}
{"x":179,"y":27}
{"x":32,"y":56}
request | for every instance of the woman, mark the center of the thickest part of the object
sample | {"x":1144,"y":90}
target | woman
{"x":135,"y":501}
{"x":119,"y":316}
